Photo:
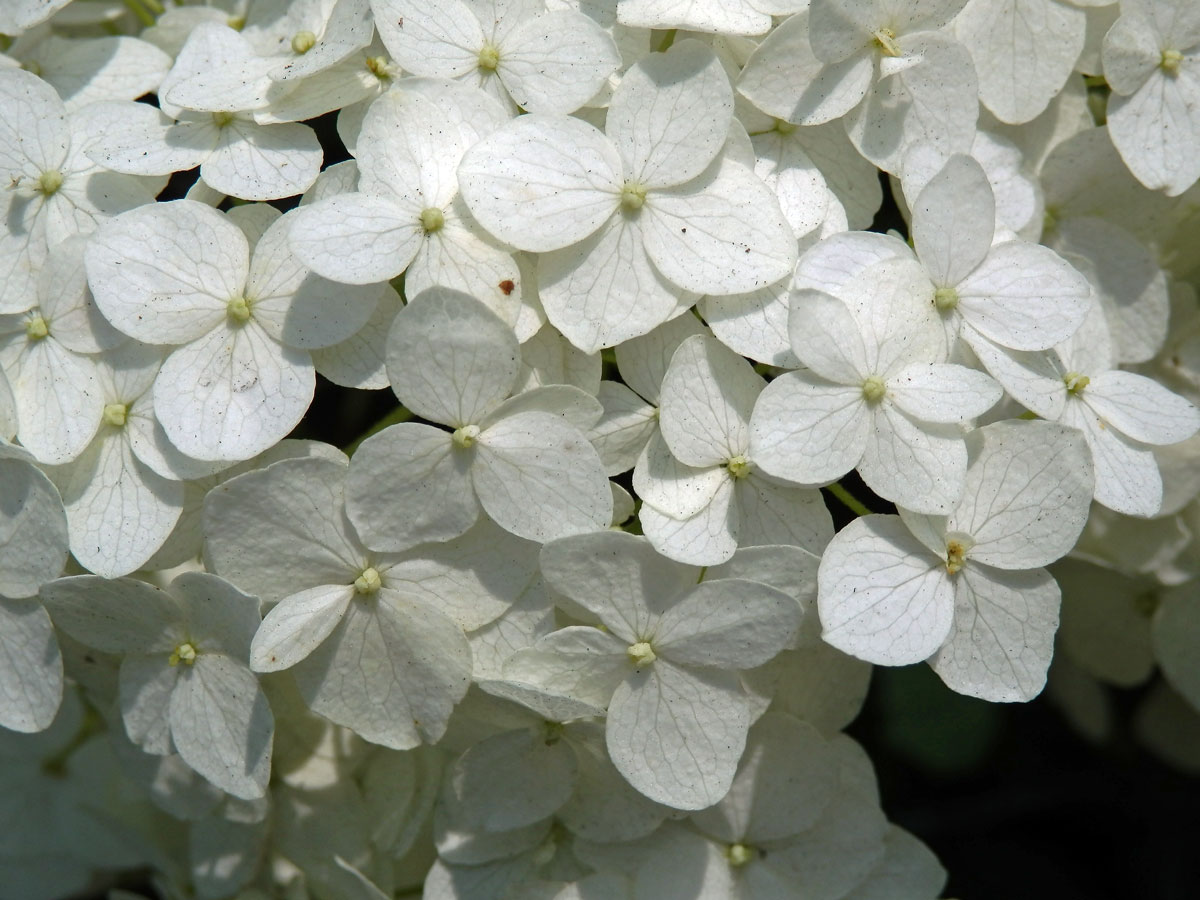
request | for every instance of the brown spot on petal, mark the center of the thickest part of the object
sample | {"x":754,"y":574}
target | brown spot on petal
{"x":507,"y":287}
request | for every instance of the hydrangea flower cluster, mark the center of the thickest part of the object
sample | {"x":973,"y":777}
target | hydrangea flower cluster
{"x":578,"y":622}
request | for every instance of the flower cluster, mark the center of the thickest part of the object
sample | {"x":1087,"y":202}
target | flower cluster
{"x":577,"y":622}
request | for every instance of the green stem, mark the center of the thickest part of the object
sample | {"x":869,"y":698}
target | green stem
{"x":848,"y":500}
{"x":396,"y":416}
{"x":143,"y":15}
{"x":667,"y":41}
{"x":154,"y":6}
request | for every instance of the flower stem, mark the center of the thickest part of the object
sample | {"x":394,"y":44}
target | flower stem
{"x":848,"y":500}
{"x":143,"y":15}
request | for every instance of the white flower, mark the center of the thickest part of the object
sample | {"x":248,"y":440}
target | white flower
{"x":967,"y":590}
{"x":1152,"y":61}
{"x":184,"y":682}
{"x":522,"y":460}
{"x":634,"y":222}
{"x":664,"y":666}
{"x":876,"y":394}
{"x":55,"y":189}
{"x":406,"y":215}
{"x":49,"y":354}
{"x":240,"y":376}
{"x":703,"y":494}
{"x":544,"y":62}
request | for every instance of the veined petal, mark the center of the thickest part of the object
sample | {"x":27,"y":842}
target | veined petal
{"x":808,"y":431}
{"x":920,"y":468}
{"x":442,"y":39}
{"x":670,"y":117}
{"x":882,"y":596}
{"x":540,"y":478}
{"x":542,"y":182}
{"x":728,"y":624}
{"x":557,"y":61}
{"x":31,"y":671}
{"x":1003,"y":635}
{"x":297,"y":626}
{"x":953,"y":221}
{"x":722,"y":233}
{"x":943,"y":392}
{"x":1141,"y":408}
{"x":232,"y":394}
{"x":356,"y":238}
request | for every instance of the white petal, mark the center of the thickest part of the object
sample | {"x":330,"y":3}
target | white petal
{"x":721,"y":233}
{"x":276,"y":530}
{"x":605,"y":290}
{"x":450,"y":358}
{"x":753,"y":324}
{"x":356,"y":238}
{"x":671,"y":114}
{"x":882,"y":596}
{"x":1141,"y":408}
{"x":391,"y":671}
{"x":580,"y":662}
{"x":677,"y":735}
{"x":116,"y":616}
{"x":407,"y":485}
{"x":671,"y":487}
{"x":119,"y":510}
{"x":1024,"y":51}
{"x":920,"y":467}
{"x":708,"y":395}
{"x":33,"y":529}
{"x":33,"y":134}
{"x":540,"y":478}
{"x":827,"y":338}
{"x":784,"y":79}
{"x":556,"y":62}
{"x":31,"y":673}
{"x":59,"y":401}
{"x":233,"y":393}
{"x":1003,"y":636}
{"x":1027,"y":495}
{"x":808,"y":431}
{"x":164,"y":273}
{"x":709,"y":537}
{"x":616,"y":576}
{"x":727,"y":624}
{"x":263,"y":162}
{"x":1127,"y":476}
{"x":222,"y":725}
{"x":1033,"y":378}
{"x":953,"y":221}
{"x":773,"y":513}
{"x":297,"y":626}
{"x":624,"y":428}
{"x":1154,"y":128}
{"x":1024,"y":296}
{"x":542,"y":182}
{"x":943,"y":392}
{"x":430,"y":39}
{"x":145,"y":686}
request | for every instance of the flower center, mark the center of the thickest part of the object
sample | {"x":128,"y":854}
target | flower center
{"x":36,"y":327}
{"x":432,"y":219}
{"x":641,"y":654}
{"x":873,"y":389}
{"x":1076,"y":382}
{"x":739,"y":854}
{"x":221,"y":119}
{"x":738,"y":466}
{"x":633,"y":196}
{"x":784,"y":127}
{"x":185,"y":653}
{"x":378,"y":66}
{"x":239,"y":310}
{"x":303,"y":41}
{"x":885,"y":40}
{"x":466,"y":436}
{"x":945,"y":299}
{"x":115,"y":414}
{"x":489,"y":57}
{"x":956,"y":555}
{"x":49,"y":182}
{"x":1171,"y":60}
{"x":368,"y":582}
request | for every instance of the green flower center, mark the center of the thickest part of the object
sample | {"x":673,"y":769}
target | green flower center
{"x":739,"y":854}
{"x":466,"y":436}
{"x":945,"y":299}
{"x":489,"y":57}
{"x":633,"y":196}
{"x":432,"y":219}
{"x":641,"y":653}
{"x":303,"y":41}
{"x":1171,"y":61}
{"x":1076,"y":382}
{"x":873,"y":389}
{"x":36,"y":327}
{"x":738,"y":466}
{"x":185,"y":653}
{"x":115,"y":414}
{"x":885,"y":40}
{"x":49,"y":182}
{"x":239,"y":310}
{"x":368,"y":582}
